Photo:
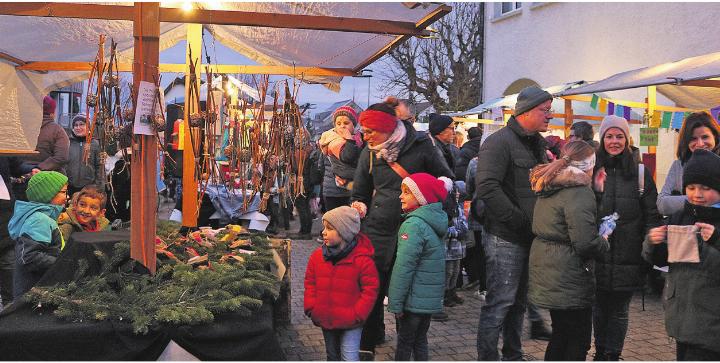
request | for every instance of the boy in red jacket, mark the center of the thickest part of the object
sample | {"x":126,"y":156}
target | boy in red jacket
{"x":341,"y":283}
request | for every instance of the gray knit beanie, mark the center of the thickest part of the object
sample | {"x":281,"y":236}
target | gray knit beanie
{"x":345,"y":220}
{"x":529,"y":98}
{"x":611,"y":121}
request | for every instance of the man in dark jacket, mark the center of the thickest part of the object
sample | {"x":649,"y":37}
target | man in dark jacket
{"x":504,"y":164}
{"x":468,"y":151}
{"x":442,"y":130}
{"x":52,"y":143}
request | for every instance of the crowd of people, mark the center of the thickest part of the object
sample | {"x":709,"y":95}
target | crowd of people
{"x":522,"y":221}
{"x":572,"y":226}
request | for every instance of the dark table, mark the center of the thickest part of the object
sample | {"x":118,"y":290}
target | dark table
{"x":28,"y":333}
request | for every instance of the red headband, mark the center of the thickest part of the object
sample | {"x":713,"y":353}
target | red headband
{"x":378,"y":121}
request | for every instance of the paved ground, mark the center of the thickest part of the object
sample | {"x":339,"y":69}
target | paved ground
{"x":455,"y":339}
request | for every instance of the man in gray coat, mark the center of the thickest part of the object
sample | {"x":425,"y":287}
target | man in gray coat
{"x":503,"y":169}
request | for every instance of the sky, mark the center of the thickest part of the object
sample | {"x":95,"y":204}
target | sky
{"x":316,"y":94}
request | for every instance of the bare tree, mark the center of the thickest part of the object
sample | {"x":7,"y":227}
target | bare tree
{"x":446,"y":70}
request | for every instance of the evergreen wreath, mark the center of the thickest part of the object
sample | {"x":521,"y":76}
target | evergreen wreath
{"x":207,"y":273}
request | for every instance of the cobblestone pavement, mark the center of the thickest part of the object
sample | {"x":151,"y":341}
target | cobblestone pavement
{"x":454,"y":340}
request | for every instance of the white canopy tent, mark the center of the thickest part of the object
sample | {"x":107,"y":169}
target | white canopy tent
{"x":510,"y":100}
{"x":341,"y":38}
{"x":691,"y":82}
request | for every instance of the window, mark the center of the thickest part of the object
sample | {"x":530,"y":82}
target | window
{"x":508,"y":7}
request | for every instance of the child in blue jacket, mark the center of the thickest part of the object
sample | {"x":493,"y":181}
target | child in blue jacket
{"x":34,"y":229}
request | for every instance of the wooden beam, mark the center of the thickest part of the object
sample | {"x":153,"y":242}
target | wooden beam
{"x":219,"y":17}
{"x":10,"y":58}
{"x":702,"y":83}
{"x":178,"y":68}
{"x":190,"y":184}
{"x":632,"y":104}
{"x":290,"y":21}
{"x":143,"y":165}
{"x":68,"y":10}
{"x":568,"y":117}
{"x":422,"y":24}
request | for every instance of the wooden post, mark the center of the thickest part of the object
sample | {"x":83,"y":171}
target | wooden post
{"x":190,"y":180}
{"x":143,"y":165}
{"x":651,"y":101}
{"x":568,"y":117}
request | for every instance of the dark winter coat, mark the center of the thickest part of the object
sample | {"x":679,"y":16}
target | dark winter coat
{"x":623,"y":268}
{"x":52,"y":144}
{"x":79,"y":173}
{"x":417,"y":283}
{"x":692,"y":290}
{"x":566,"y":244}
{"x":449,"y":152}
{"x":378,"y":186}
{"x":38,"y":242}
{"x":330,"y":189}
{"x":503,"y":181}
{"x":9,"y":167}
{"x":341,"y":295}
{"x":468,"y":151}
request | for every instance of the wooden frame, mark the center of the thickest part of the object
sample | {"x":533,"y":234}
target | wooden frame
{"x":221,"y":17}
{"x":179,"y":68}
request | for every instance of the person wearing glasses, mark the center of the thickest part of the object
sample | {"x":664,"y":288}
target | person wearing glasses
{"x":503,"y":184}
{"x":34,"y":229}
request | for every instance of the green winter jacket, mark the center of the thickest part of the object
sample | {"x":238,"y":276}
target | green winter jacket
{"x":417,"y":283}
{"x":567,"y":242}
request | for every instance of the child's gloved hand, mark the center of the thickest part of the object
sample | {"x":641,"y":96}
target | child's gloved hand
{"x":453,"y":232}
{"x":360,"y":207}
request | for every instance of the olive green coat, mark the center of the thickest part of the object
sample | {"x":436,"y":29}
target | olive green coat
{"x":566,"y":244}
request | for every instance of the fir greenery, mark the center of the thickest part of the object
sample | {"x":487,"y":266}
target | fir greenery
{"x":233,"y":279}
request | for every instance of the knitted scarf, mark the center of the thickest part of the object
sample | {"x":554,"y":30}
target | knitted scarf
{"x":390,"y":149}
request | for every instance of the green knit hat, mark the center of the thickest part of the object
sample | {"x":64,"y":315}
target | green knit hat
{"x":44,"y":185}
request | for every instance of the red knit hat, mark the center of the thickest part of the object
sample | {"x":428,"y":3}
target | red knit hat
{"x":378,"y":121}
{"x":49,"y":105}
{"x":426,"y":188}
{"x":346,"y":111}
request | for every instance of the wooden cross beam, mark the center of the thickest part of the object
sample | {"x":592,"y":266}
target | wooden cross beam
{"x":179,"y":68}
{"x":220,"y":17}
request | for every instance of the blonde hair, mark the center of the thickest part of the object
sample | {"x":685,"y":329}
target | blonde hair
{"x":543,"y":174}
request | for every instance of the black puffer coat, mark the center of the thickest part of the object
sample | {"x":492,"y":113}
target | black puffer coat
{"x":623,"y":268}
{"x":378,"y":186}
{"x":503,"y":181}
{"x":468,"y":151}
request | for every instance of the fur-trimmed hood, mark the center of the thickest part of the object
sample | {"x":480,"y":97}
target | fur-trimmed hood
{"x":566,"y":178}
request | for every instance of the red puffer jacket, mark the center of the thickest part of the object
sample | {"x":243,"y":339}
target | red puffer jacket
{"x":341,"y":296}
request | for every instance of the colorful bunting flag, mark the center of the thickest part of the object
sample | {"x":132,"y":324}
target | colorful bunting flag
{"x":626,"y":113}
{"x":603,"y":105}
{"x":655,"y":121}
{"x":666,"y":118}
{"x":620,"y":110}
{"x":677,"y":120}
{"x":594,"y":102}
{"x":611,"y":108}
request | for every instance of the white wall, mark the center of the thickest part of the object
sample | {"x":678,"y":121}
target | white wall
{"x":554,"y":43}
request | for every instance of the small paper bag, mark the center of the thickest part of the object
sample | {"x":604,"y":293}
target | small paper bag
{"x":683,"y":244}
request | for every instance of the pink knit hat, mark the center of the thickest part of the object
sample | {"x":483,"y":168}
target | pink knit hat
{"x":426,"y":188}
{"x":346,"y":111}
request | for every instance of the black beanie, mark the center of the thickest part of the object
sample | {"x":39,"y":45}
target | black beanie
{"x":474,"y":132}
{"x":702,"y":168}
{"x":438,"y":123}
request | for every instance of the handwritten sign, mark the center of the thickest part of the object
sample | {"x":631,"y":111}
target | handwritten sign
{"x":649,"y":136}
{"x":144,"y":110}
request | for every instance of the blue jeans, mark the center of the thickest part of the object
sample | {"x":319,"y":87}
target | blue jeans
{"x":412,"y":341}
{"x":610,"y":320}
{"x":506,"y":266}
{"x":342,"y":344}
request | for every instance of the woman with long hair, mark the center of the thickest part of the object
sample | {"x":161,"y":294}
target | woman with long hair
{"x":621,"y":189}
{"x":566,"y":243}
{"x":699,"y":131}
